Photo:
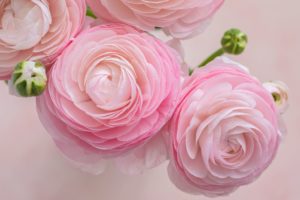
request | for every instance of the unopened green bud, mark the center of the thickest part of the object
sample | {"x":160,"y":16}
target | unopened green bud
{"x":234,"y":41}
{"x":28,"y":79}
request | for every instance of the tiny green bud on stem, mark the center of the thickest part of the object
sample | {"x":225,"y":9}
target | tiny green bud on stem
{"x":28,"y":79}
{"x":233,"y":42}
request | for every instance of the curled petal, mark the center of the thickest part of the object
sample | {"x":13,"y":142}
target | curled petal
{"x":148,"y":156}
{"x":179,"y":18}
{"x":279,"y":91}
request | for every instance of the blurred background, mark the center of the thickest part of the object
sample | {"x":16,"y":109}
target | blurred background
{"x":31,"y":168}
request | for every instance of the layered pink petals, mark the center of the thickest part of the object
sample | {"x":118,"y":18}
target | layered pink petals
{"x":180,"y":18}
{"x":224,"y":130}
{"x":37,"y":30}
{"x":109,"y":93}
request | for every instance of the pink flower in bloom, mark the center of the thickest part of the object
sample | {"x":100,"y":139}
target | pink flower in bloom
{"x":109,"y":93}
{"x":36,"y":30}
{"x":224,"y":131}
{"x":179,"y":18}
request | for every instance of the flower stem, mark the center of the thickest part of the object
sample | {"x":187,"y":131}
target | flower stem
{"x":217,"y":53}
{"x":233,"y":42}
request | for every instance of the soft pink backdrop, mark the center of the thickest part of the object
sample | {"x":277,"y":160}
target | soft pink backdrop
{"x":31,"y":168}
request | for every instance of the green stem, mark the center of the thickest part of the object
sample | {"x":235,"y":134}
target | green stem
{"x":233,"y":42}
{"x":90,"y":13}
{"x":217,"y":53}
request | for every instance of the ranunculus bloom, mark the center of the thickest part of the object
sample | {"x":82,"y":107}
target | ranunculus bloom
{"x":180,"y":18}
{"x":109,"y":93}
{"x":224,"y":131}
{"x":36,"y":30}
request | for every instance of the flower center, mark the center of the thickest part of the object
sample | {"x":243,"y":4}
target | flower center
{"x":235,"y":143}
{"x":105,"y":86}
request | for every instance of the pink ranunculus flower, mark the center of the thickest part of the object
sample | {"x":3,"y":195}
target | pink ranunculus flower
{"x":179,"y":18}
{"x":109,"y":93}
{"x":36,"y":30}
{"x":224,"y":131}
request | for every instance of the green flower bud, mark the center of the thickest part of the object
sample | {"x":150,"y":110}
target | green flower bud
{"x":234,"y":41}
{"x":28,"y":79}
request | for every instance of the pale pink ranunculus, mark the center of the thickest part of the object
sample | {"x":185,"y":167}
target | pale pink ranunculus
{"x":224,"y":132}
{"x":179,"y":18}
{"x":37,"y":30}
{"x":109,"y":93}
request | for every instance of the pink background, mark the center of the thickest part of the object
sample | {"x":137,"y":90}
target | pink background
{"x":31,"y":168}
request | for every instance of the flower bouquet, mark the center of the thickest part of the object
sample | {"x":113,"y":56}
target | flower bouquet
{"x":108,"y":89}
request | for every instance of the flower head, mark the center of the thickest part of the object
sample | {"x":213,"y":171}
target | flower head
{"x":109,"y":93}
{"x":179,"y":18}
{"x":225,"y":130}
{"x":36,"y":30}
